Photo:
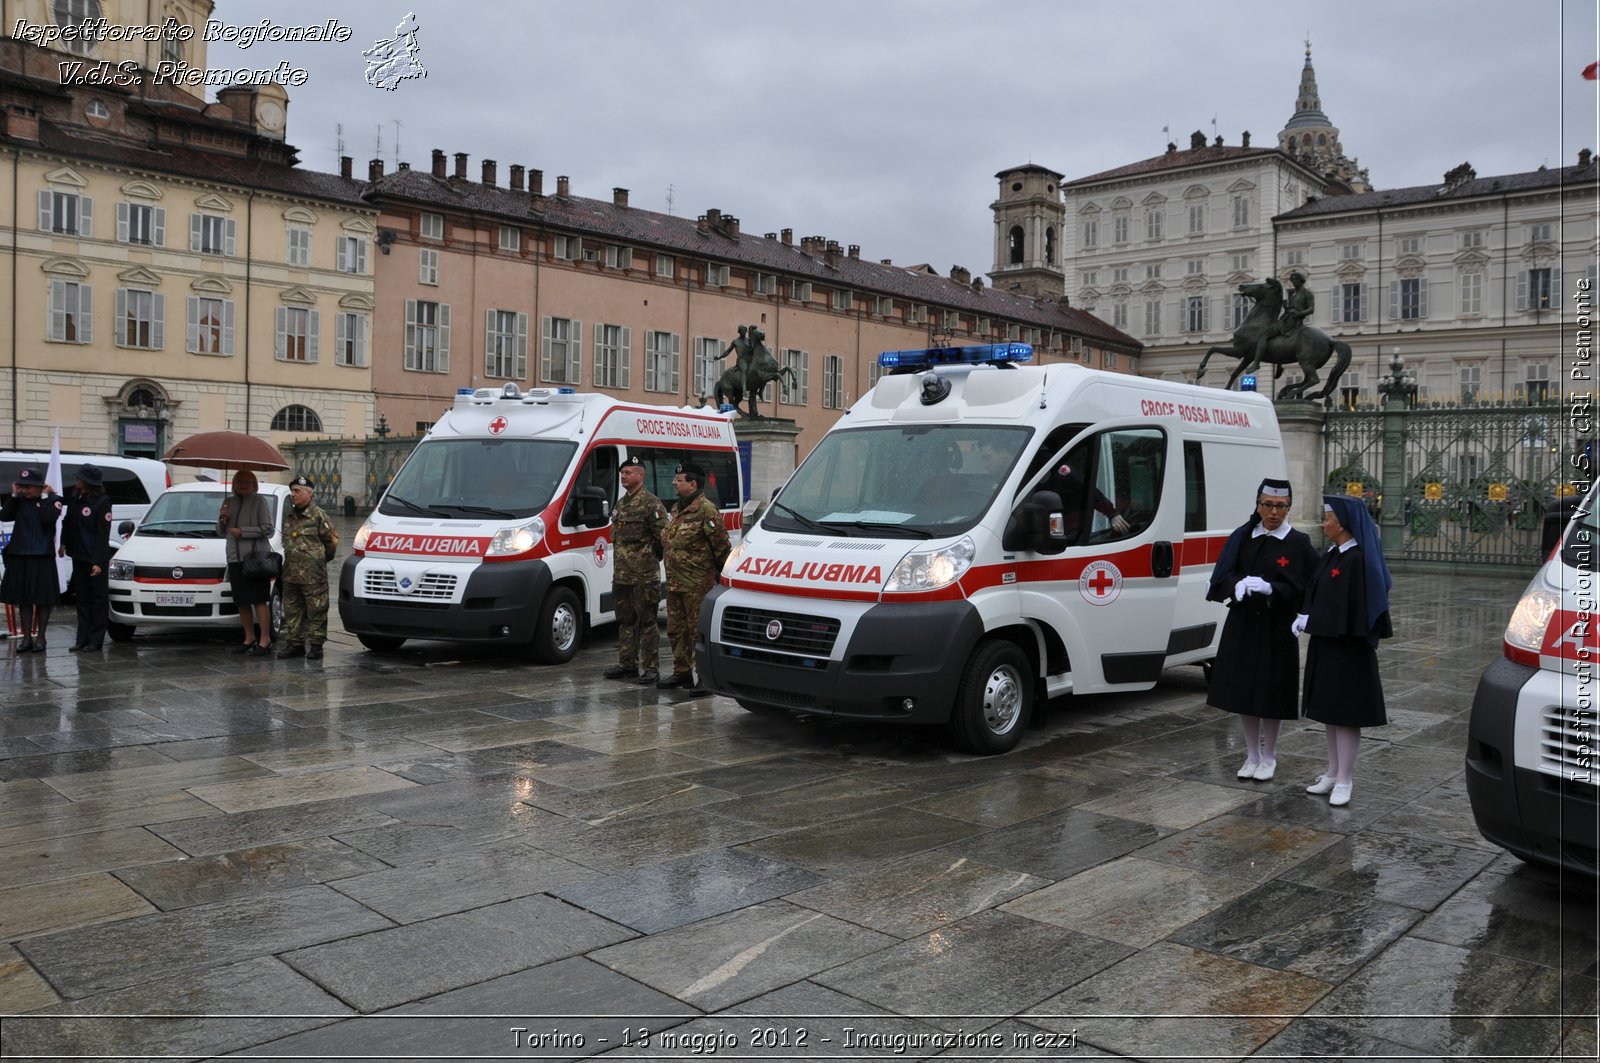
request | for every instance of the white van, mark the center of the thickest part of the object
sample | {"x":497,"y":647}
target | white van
{"x":497,"y":529}
{"x":975,"y":536}
{"x":1532,"y":736}
{"x":173,"y":570}
{"x":130,"y":483}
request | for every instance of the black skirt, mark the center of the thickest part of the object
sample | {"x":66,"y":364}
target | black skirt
{"x":248,"y":591}
{"x":1342,"y":684}
{"x":30,"y":579}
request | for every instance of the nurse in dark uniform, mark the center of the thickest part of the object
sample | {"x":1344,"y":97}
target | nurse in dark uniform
{"x":1346,"y":613}
{"x":1261,"y":577}
{"x":30,"y":582}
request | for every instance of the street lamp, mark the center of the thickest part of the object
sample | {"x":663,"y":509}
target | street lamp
{"x":382,"y":429}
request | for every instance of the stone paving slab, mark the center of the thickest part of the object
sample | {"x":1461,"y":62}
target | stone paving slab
{"x":70,"y":855}
{"x":277,"y":791}
{"x":661,"y":896}
{"x":47,"y":820}
{"x":389,"y":967}
{"x":472,"y":878}
{"x":874,"y":837}
{"x":21,"y":988}
{"x":62,"y":904}
{"x":246,"y":872}
{"x":912,"y":896}
{"x":95,"y":959}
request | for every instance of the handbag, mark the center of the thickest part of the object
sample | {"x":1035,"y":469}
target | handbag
{"x":263,"y":564}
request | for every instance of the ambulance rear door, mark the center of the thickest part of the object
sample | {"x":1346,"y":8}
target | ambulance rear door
{"x":1110,"y":593}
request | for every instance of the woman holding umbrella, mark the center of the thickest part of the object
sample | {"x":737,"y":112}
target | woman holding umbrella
{"x":246,"y":523}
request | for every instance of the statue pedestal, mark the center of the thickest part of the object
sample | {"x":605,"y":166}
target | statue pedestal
{"x":1300,"y":423}
{"x":772,"y":453}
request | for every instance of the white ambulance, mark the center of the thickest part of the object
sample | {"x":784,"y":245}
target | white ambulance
{"x":497,"y":529}
{"x":975,"y":536}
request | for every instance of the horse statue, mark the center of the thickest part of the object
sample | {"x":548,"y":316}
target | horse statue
{"x":761,"y":368}
{"x":1309,"y":347}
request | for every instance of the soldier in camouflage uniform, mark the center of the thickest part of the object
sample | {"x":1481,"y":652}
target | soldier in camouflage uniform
{"x":696,"y":544}
{"x":638,"y":522}
{"x":309,"y":543}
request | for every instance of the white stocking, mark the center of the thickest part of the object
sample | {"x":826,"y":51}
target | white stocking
{"x":1349,"y":740}
{"x":1251,"y":726}
{"x":1269,"y":738}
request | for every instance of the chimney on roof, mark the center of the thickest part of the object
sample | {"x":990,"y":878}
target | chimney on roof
{"x":1197,"y":140}
{"x":346,"y":164}
{"x":1244,"y":141}
{"x":855,"y":251}
{"x":702,"y":226}
{"x":886,"y":261}
{"x":831,"y":252}
{"x":536,"y":184}
{"x":770,"y":236}
{"x":714,"y":219}
{"x":787,"y":236}
{"x":489,"y":172}
{"x":1585,"y":157}
{"x":1218,"y":142}
{"x":619,"y":197}
{"x":438,"y":163}
{"x":977,"y":284}
{"x":375,"y":171}
{"x":730,"y":226}
{"x":1459,"y":176}
{"x":461,"y":166}
{"x":960,"y":274}
{"x":516,"y":178}
{"x":563,"y":187}
{"x":1065,"y":302}
{"x":1171,"y":148}
{"x":403,"y":166}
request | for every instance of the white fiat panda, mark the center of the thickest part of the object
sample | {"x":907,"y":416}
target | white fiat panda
{"x":173,"y":570}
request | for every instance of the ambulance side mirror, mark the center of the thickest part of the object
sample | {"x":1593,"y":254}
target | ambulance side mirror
{"x":1037,"y":525}
{"x":125,"y":529}
{"x":588,"y":508}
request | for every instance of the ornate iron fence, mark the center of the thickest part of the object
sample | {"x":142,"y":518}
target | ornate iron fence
{"x":320,"y":462}
{"x":1478,"y":477}
{"x":383,"y":459}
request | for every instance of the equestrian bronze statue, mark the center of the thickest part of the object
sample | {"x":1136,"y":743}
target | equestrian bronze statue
{"x":752,"y":370}
{"x":1288,"y":342}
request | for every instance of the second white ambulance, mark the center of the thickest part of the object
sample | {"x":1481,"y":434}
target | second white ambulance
{"x":975,"y":536}
{"x":497,"y":529}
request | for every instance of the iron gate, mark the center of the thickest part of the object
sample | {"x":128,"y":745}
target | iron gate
{"x":319,"y":462}
{"x":383,"y":459}
{"x":1478,"y":477}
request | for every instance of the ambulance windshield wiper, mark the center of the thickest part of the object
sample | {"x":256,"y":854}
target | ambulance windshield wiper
{"x":803,"y":520}
{"x":484,"y":510}
{"x":429,"y":510}
{"x":909,"y":531}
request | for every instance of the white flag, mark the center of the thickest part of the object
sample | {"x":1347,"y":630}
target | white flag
{"x":52,"y":476}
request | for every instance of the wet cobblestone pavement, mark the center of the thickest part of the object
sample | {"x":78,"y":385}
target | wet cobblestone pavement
{"x":416,"y":855}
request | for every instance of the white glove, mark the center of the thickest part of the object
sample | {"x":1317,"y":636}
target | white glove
{"x":1241,"y":589}
{"x":1258,"y":585}
{"x":1298,"y":628}
{"x":1119,"y":524}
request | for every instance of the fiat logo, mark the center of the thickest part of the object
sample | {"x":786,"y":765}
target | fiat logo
{"x":774,"y":629}
{"x":177,"y":573}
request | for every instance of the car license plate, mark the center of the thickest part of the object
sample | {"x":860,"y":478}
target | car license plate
{"x":175,"y":599}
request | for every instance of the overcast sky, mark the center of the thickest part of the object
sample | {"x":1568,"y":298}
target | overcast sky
{"x":883,"y":122}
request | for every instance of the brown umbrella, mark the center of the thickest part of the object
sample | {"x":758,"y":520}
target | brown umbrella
{"x":227,"y":450}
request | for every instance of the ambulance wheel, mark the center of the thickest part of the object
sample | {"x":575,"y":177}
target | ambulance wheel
{"x":275,"y":612}
{"x":555,"y":636}
{"x":381,"y":643}
{"x":119,"y":632}
{"x":993,"y":700}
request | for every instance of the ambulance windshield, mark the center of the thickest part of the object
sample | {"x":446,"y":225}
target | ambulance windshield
{"x":494,"y":478}
{"x":903,"y":481}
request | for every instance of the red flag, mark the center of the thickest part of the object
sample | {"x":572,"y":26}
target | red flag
{"x":1592,"y":71}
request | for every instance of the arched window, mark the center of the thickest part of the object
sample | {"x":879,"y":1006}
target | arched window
{"x":296,"y":419}
{"x":1015,"y":245}
{"x":141,"y":397}
{"x":1305,"y":139}
{"x":1050,"y":245}
{"x":1322,"y":140}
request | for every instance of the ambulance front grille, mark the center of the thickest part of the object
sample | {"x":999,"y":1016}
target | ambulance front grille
{"x":377,"y":583}
{"x":797,"y":633}
{"x":1566,"y":746}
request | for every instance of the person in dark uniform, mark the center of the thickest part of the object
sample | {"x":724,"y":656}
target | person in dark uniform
{"x":86,"y":538}
{"x":638,"y":520}
{"x":30,"y":582}
{"x":1261,"y":577}
{"x":1346,"y":613}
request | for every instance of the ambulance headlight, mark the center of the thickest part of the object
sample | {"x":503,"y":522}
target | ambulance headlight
{"x":733,"y":560}
{"x":929,"y":570}
{"x":119,"y":569}
{"x":359,"y":543}
{"x":1531,"y":617}
{"x":517,"y":540}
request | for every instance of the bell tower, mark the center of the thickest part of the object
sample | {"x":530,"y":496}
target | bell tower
{"x":1028,"y":236}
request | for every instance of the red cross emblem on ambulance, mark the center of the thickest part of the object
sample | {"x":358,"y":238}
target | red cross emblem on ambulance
{"x":599,"y":553}
{"x":1100,"y":583}
{"x":497,"y":426}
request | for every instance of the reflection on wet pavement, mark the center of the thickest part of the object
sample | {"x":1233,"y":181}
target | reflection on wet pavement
{"x":276,"y":850}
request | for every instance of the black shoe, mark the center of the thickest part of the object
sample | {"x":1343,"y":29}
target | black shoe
{"x":676,"y":679}
{"x":698,"y":692}
{"x":648,"y":678}
{"x":314,"y":652}
{"x":75,"y":647}
{"x":243,"y":647}
{"x":26,"y":645}
{"x":259,"y":650}
{"x":38,"y":645}
{"x":620,"y":672}
{"x":291,"y":649}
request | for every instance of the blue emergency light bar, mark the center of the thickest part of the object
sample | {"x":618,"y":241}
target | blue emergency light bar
{"x":981,"y":354}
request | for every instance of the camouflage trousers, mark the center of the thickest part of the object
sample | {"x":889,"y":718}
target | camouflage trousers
{"x":305,"y":612}
{"x":683,"y":620}
{"x":638,"y":637}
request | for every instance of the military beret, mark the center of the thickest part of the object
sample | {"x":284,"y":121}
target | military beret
{"x":692,"y":471}
{"x":300,"y":481}
{"x":631,"y":462}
